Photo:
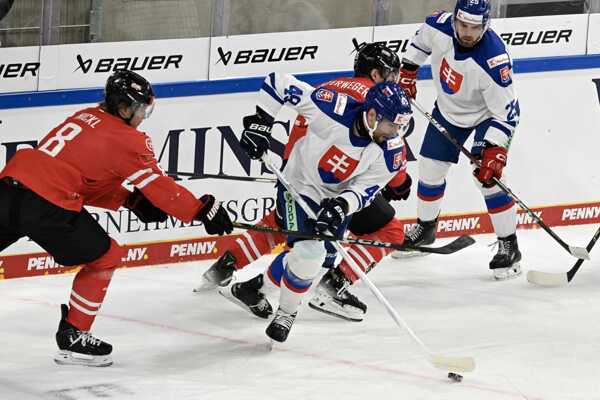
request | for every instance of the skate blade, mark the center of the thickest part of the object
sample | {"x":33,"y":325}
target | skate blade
{"x":508,"y":275}
{"x":358,"y":317}
{"x":226,"y":292}
{"x":208,"y":286}
{"x":64,"y":357}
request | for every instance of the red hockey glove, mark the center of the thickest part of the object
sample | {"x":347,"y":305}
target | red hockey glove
{"x":408,"y":82}
{"x":493,"y":160}
{"x":214,"y":217}
{"x":398,"y":192}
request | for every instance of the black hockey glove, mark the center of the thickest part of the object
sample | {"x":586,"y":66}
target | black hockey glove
{"x":214,"y":217}
{"x":143,"y":208}
{"x":257,"y":131}
{"x":399,"y":192}
{"x":331,"y":215}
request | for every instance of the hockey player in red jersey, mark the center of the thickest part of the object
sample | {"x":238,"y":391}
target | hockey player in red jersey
{"x":83,"y":162}
{"x":374,"y":63}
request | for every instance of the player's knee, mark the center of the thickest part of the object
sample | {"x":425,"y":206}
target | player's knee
{"x":110,"y":259}
{"x":306,"y":258}
{"x":433,"y":172}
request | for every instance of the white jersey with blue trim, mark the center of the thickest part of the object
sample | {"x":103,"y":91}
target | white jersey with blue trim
{"x":473,"y":85}
{"x":331,"y":160}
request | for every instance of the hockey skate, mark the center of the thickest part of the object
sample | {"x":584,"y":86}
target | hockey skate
{"x":248,"y":296}
{"x":421,"y":234}
{"x":506,"y":262}
{"x":79,"y":348}
{"x":280,"y":325}
{"x":219,"y":274}
{"x":332,"y":297}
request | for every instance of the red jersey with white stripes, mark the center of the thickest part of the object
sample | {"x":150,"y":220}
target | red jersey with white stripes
{"x":86,"y":159}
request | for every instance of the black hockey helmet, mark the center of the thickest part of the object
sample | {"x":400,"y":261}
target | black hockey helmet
{"x":127,"y":87}
{"x":376,"y":56}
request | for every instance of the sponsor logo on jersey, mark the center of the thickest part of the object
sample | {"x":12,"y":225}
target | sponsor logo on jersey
{"x":192,"y":249}
{"x":325,"y":95}
{"x":340,"y":104}
{"x":574,"y":214}
{"x":505,"y":74}
{"x":109,"y":64}
{"x":19,"y":70}
{"x":397,"y":161}
{"x":258,"y":56}
{"x":336,"y":166}
{"x":552,"y":36}
{"x":498,"y":60}
{"x":450,"y":79}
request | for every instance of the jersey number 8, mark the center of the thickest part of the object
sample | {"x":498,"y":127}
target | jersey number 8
{"x":64,"y":134}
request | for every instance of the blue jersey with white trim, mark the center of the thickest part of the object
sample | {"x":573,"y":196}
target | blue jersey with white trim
{"x":331,"y":160}
{"x":473,"y":85}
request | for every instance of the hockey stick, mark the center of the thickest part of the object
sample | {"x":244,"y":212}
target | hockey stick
{"x":226,"y":177}
{"x":577,"y":252}
{"x":560,"y":278}
{"x":450,"y":248}
{"x":453,"y":364}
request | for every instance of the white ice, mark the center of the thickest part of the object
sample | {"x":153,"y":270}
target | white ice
{"x":169,"y":343}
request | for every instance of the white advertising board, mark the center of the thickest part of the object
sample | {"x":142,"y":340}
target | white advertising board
{"x":552,"y":159}
{"x":88,"y":65}
{"x":294,"y":52}
{"x":594,"y":35}
{"x":19,"y":69}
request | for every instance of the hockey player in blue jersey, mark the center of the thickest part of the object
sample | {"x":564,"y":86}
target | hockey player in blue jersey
{"x":351,"y":151}
{"x":472,"y":74}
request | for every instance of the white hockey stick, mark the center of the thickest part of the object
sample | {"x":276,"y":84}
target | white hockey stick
{"x":447,"y":363}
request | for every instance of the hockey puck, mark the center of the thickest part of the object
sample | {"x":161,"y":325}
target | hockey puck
{"x":455,"y":377}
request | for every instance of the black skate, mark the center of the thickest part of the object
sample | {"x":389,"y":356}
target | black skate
{"x":280,"y":326}
{"x":421,"y":234}
{"x":248,"y":296}
{"x":332,"y":297}
{"x":219,"y":274}
{"x":506,"y":262}
{"x":79,"y":348}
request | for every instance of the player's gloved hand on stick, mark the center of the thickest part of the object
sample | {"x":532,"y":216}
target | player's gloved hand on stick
{"x":214,"y":217}
{"x":331,"y":215}
{"x":493,"y":160}
{"x":408,"y":79}
{"x":257,"y":131}
{"x":398,"y":193}
{"x":143,"y":208}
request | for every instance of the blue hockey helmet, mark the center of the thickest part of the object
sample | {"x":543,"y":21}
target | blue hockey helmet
{"x":389,"y":102}
{"x":474,"y":12}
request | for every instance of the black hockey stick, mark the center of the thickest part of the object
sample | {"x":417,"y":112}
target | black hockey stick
{"x":560,"y":278}
{"x":452,"y":247}
{"x":577,"y":252}
{"x":227,"y":177}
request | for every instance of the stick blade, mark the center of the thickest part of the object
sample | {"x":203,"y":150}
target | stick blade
{"x":579,"y":252}
{"x":453,"y":364}
{"x":547,"y":278}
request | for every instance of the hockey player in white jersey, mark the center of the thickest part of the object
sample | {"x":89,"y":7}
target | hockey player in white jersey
{"x":351,"y":151}
{"x":472,"y":73}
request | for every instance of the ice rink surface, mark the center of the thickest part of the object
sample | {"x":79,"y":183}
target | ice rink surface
{"x":169,"y":343}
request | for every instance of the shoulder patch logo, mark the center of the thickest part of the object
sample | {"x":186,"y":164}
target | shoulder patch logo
{"x":505,"y":74}
{"x":498,"y":60}
{"x":340,"y":104}
{"x":450,"y":79}
{"x":325,"y":95}
{"x":149,"y":145}
{"x":395,"y":143}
